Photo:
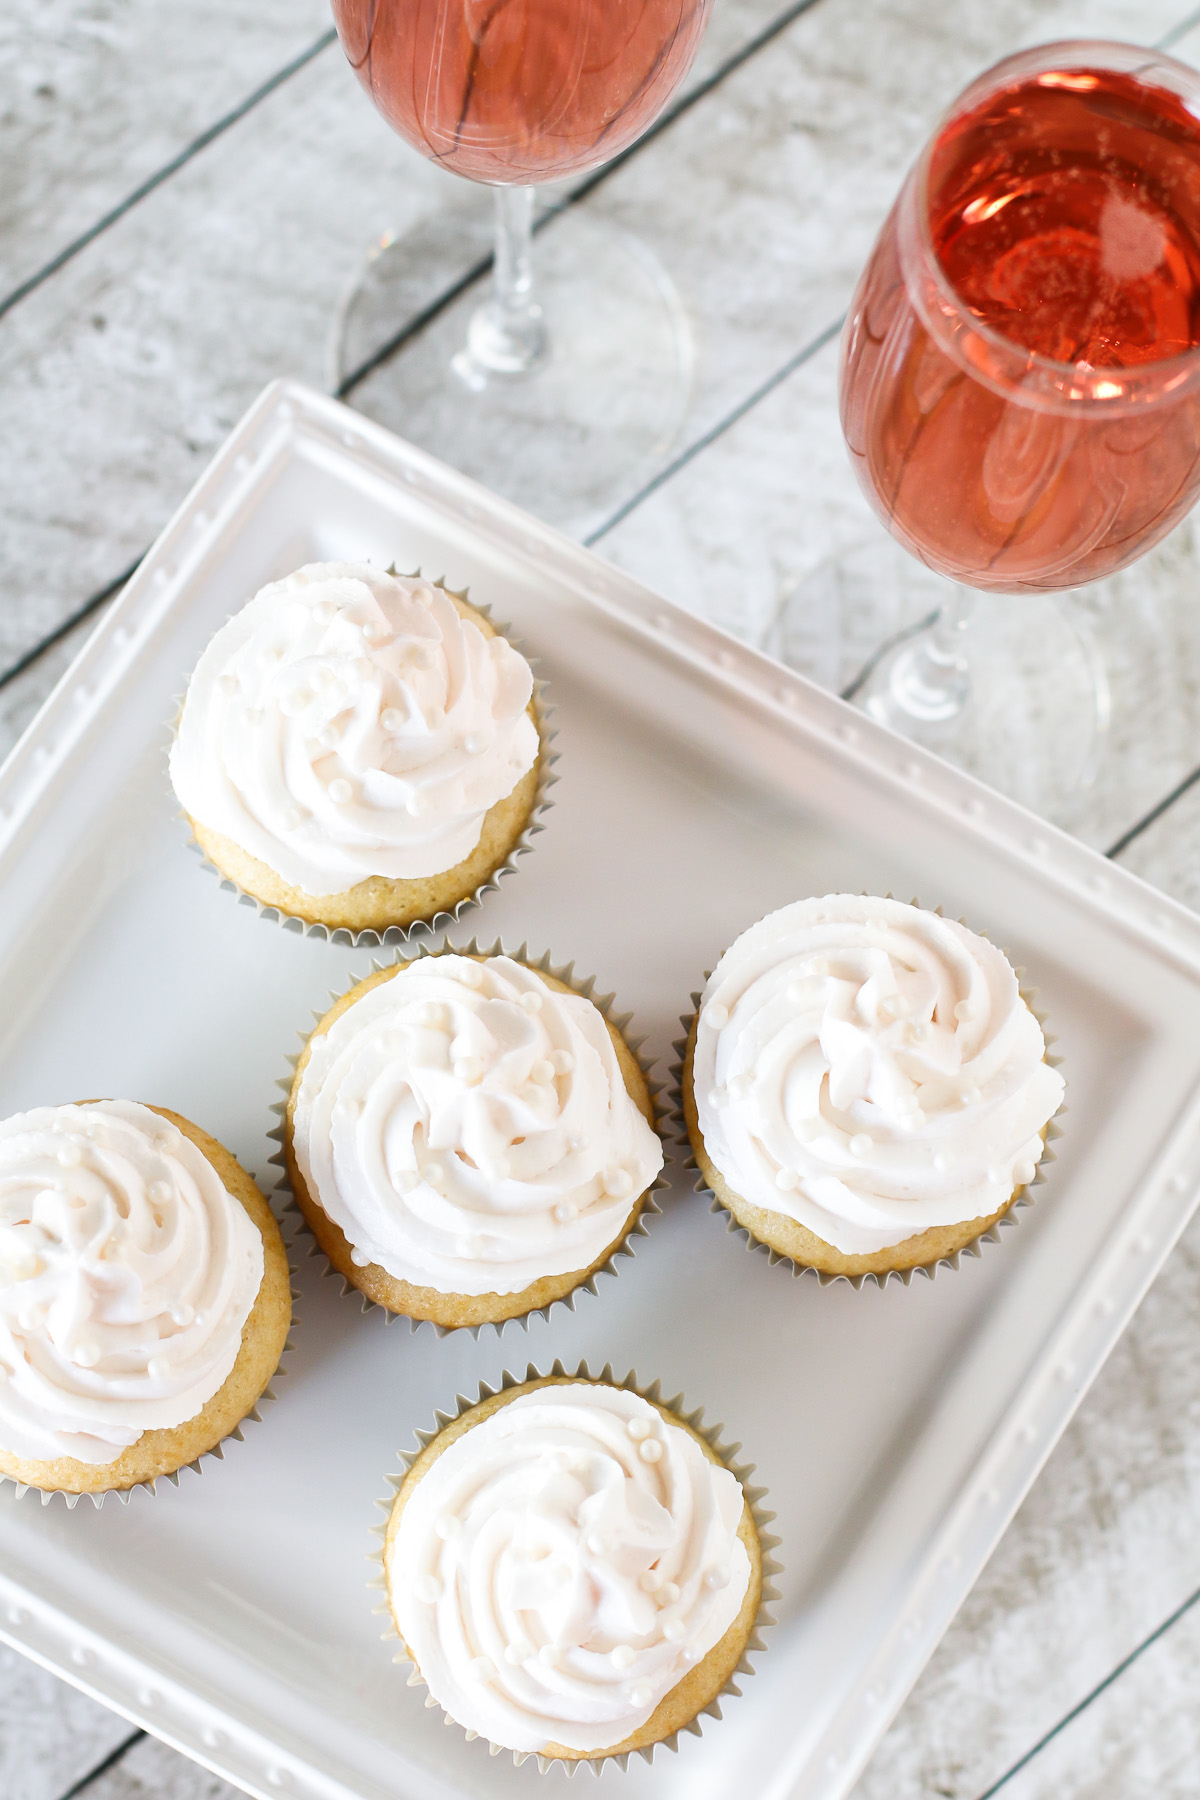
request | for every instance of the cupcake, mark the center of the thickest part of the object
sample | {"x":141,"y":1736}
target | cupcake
{"x":469,"y":1138}
{"x":145,"y":1297}
{"x":573,"y":1570}
{"x":357,"y":749}
{"x":864,"y":1088}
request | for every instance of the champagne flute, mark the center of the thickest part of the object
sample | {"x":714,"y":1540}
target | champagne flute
{"x":1020,"y":385}
{"x":562,"y":389}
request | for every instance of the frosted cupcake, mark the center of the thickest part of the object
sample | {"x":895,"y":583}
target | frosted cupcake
{"x":469,"y":1138}
{"x":145,"y":1298}
{"x":358,"y":749}
{"x":572,"y":1569}
{"x":864,"y":1087}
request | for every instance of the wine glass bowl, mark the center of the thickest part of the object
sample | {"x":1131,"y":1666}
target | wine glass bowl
{"x":520,"y":91}
{"x":1020,"y":382}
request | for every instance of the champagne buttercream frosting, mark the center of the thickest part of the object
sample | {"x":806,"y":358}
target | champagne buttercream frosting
{"x":563,"y":1563}
{"x":127,"y":1273}
{"x":348,"y":723}
{"x":469,"y":1129}
{"x":870,"y":1070}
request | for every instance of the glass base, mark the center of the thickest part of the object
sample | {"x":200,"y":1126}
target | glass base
{"x":572,"y":436}
{"x":1016,"y":693}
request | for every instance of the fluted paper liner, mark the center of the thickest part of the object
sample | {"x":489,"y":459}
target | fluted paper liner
{"x":712,"y":1435}
{"x":217,"y":1451}
{"x":603,"y":1003}
{"x":1022,"y":1196}
{"x":403,"y":935}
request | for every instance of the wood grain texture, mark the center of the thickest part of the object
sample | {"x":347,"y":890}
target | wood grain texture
{"x":119,"y":377}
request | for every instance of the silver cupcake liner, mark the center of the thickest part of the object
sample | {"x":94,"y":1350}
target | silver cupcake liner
{"x":603,"y":1003}
{"x":1023,"y":1196}
{"x":405,"y":935}
{"x":713,"y":1437}
{"x":217,"y":1452}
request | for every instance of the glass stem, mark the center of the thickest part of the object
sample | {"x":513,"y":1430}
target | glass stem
{"x":507,"y":335}
{"x":931,"y":679}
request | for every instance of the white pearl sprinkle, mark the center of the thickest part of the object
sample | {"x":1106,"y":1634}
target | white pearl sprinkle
{"x":596,"y":1543}
{"x":531,"y":1002}
{"x":291,"y":818}
{"x":668,"y":1593}
{"x":563,"y":1061}
{"x":329,"y":738}
{"x":623,"y":1657}
{"x":650,"y":1582}
{"x":963,"y":1011}
{"x":87,"y":1354}
{"x":640,"y":1696}
{"x":650,"y":1451}
{"x":471,"y":974}
{"x":432,"y":1013}
{"x":427,"y":1589}
{"x":542,"y":1072}
{"x":406,"y":1180}
{"x":227,"y":683}
{"x":861,"y":1144}
{"x":716,"y":1015}
{"x":550,"y":1656}
{"x":740,"y":1086}
{"x":639,"y":1428}
{"x":918,"y":1032}
{"x":674,"y":1630}
{"x":717,"y":1576}
{"x":499,"y":1168}
{"x":475,"y":745}
{"x":969,"y":1095}
{"x":578,"y":1140}
{"x":69,"y":1156}
{"x":468,"y":1069}
{"x":518,"y":1653}
{"x":182,"y":1314}
{"x":350,"y":1105}
{"x":939,"y":1162}
{"x":447,"y":1526}
{"x":423,"y":596}
{"x":433,"y":1172}
{"x":391,"y":719}
{"x":157,"y":1367}
{"x":1023,"y":1173}
{"x":340,"y":791}
{"x":565,"y":1211}
{"x":482,"y":1669}
{"x":618,"y":1183}
{"x":718,"y":1099}
{"x":161,"y":1190}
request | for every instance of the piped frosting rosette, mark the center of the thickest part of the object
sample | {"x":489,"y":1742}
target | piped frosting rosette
{"x":351,"y":731}
{"x":868,"y":1073}
{"x":566,"y":1553}
{"x":469,"y":1137}
{"x":127,"y":1274}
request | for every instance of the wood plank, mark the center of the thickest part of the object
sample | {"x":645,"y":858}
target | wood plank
{"x":50,"y":1735}
{"x":99,"y":97}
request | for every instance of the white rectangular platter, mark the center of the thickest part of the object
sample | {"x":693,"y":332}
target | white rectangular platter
{"x":701,"y":785}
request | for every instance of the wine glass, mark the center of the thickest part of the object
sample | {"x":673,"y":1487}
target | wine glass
{"x":1020,"y":387}
{"x":557,"y":393}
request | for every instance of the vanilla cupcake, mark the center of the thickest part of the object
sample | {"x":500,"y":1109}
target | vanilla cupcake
{"x":145,"y":1297}
{"x":469,"y":1138}
{"x":864,"y":1088}
{"x":573,"y":1569}
{"x":357,"y":749}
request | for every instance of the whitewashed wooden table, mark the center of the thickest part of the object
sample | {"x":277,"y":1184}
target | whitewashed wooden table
{"x":185,"y":192}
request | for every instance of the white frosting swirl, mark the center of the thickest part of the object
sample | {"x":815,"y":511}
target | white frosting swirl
{"x":349,"y":723}
{"x":126,"y":1275}
{"x":561,"y":1565}
{"x":469,"y":1128}
{"x":870,"y":1070}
